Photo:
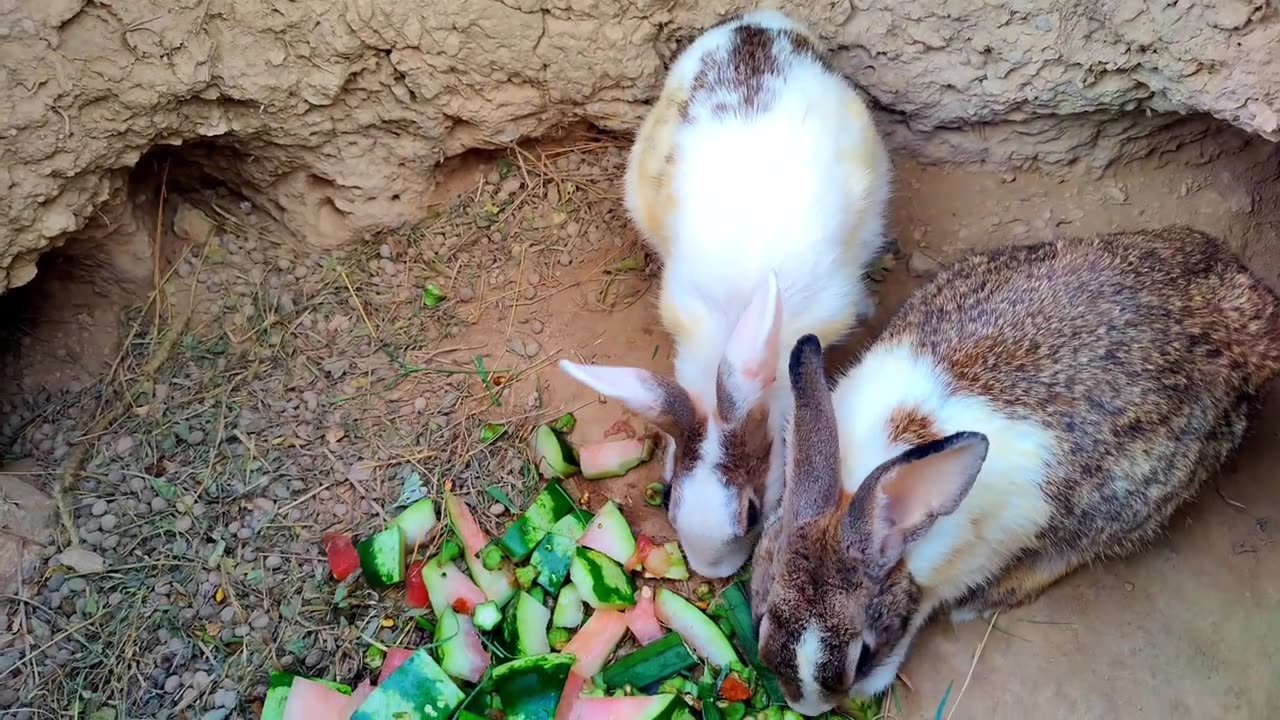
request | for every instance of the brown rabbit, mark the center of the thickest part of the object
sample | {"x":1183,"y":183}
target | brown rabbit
{"x":1031,"y":410}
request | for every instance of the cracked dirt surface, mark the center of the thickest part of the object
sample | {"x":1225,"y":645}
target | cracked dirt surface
{"x":333,"y":116}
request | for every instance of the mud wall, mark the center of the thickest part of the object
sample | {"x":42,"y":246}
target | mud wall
{"x":332,"y":114}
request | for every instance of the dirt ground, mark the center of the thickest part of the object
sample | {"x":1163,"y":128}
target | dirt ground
{"x":304,"y":392}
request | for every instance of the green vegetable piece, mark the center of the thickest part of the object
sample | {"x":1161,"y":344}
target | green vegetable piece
{"x":554,"y":553}
{"x":737,"y":609}
{"x":373,"y":657}
{"x":418,"y":690}
{"x":450,"y":550}
{"x":564,"y":424}
{"x":382,"y":558}
{"x":529,"y":688}
{"x":704,"y":592}
{"x":558,"y":637}
{"x":548,"y":506}
{"x":732,"y":711}
{"x":432,"y":295}
{"x":524,"y":629}
{"x":601,"y":581}
{"x":416,"y":522}
{"x":491,"y":431}
{"x":487,"y":615}
{"x":552,"y":454}
{"x":492,"y":558}
{"x":649,"y":664}
{"x":655,"y":493}
{"x":569,"y":612}
{"x":525,"y":576}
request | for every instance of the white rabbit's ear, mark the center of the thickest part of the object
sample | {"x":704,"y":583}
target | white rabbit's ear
{"x":656,"y":398}
{"x":750,"y":363}
{"x":907,"y":494}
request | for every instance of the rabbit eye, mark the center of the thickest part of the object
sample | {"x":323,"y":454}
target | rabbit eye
{"x":864,"y":661}
{"x":666,"y":496}
{"x":753,"y":514}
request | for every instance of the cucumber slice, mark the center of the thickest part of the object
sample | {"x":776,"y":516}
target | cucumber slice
{"x":601,"y":581}
{"x":524,"y":629}
{"x":418,"y":690}
{"x":462,"y":653}
{"x":698,"y":630}
{"x":569,"y":610}
{"x":487,"y":615}
{"x":530,"y":687}
{"x":613,"y":458}
{"x":558,"y":638}
{"x":650,"y":664}
{"x":498,"y":585}
{"x":552,"y":454}
{"x":548,"y":506}
{"x":554,"y":553}
{"x":609,"y":533}
{"x":737,"y":610}
{"x":382,"y":558}
{"x":416,"y":522}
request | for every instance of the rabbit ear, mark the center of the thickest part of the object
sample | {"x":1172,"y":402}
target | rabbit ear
{"x":903,"y":497}
{"x":658,"y":399}
{"x":750,"y":362}
{"x":812,"y":483}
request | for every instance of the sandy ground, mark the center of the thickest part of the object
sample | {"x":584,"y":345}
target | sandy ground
{"x":332,"y":354}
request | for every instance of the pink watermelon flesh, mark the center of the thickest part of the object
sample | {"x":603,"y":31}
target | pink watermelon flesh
{"x":596,"y":640}
{"x":449,"y":587}
{"x":641,"y":619}
{"x":395,"y":656}
{"x":362,"y":691}
{"x":635,"y":707}
{"x":309,"y":700}
{"x":612,"y":458}
{"x":473,"y":660}
{"x":498,"y":585}
{"x":609,"y":533}
{"x":567,"y":708}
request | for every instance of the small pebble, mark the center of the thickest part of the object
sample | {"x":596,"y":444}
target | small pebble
{"x":227,"y":615}
{"x":183,"y":523}
{"x":159,"y":504}
{"x":124,"y":444}
{"x":466,"y":294}
{"x":99,"y":508}
{"x":314,"y":658}
{"x":110,"y":542}
{"x":497,"y":509}
{"x":260,"y":621}
{"x":274,"y":562}
{"x":340,"y":510}
{"x":77,"y":585}
{"x":535,"y":327}
{"x":420,"y":404}
{"x":172,"y":683}
{"x":108,"y":522}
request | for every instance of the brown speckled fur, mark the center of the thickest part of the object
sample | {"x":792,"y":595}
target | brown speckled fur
{"x":1143,"y":353}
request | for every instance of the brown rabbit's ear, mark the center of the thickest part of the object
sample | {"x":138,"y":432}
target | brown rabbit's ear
{"x":659,"y":399}
{"x":903,"y":497}
{"x":813,"y":448}
{"x":750,"y":362}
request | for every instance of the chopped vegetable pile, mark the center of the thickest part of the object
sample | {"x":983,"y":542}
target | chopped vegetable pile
{"x":531,"y":628}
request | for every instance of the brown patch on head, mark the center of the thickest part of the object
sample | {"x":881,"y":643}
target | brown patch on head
{"x":686,"y":423}
{"x":734,"y":80}
{"x":909,"y":426}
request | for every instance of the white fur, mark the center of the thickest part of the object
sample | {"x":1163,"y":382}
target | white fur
{"x":999,"y":517}
{"x":808,"y":655}
{"x":799,"y":190}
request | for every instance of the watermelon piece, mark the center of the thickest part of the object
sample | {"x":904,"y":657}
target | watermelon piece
{"x":552,"y":454}
{"x":462,"y":653}
{"x":394,"y":658}
{"x":596,"y":641}
{"x":416,"y":522}
{"x":523,"y":535}
{"x":524,"y":629}
{"x":278,"y":686}
{"x":448,"y":587}
{"x":415,"y":590}
{"x":613,"y":458}
{"x":569,"y":611}
{"x":341,"y":554}
{"x":666,"y":563}
{"x":624,"y":707}
{"x":382,"y":558}
{"x":698,"y":631}
{"x":498,"y":585}
{"x":554,"y":553}
{"x":310,"y":700}
{"x":644,"y":546}
{"x":358,"y":696}
{"x":418,"y":690}
{"x":530,"y":687}
{"x":570,"y":696}
{"x":641,"y":619}
{"x":601,"y":582}
{"x":609,"y":533}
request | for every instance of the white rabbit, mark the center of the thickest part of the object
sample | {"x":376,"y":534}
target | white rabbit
{"x":761,"y":182}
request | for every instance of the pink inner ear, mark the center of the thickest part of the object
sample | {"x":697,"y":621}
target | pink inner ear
{"x":754,"y":345}
{"x":919,"y":491}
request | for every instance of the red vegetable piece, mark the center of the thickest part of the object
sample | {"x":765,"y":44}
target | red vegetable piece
{"x":644,"y":545}
{"x":734,"y":689}
{"x":395,"y":658}
{"x":341,"y":553}
{"x":415,"y":589}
